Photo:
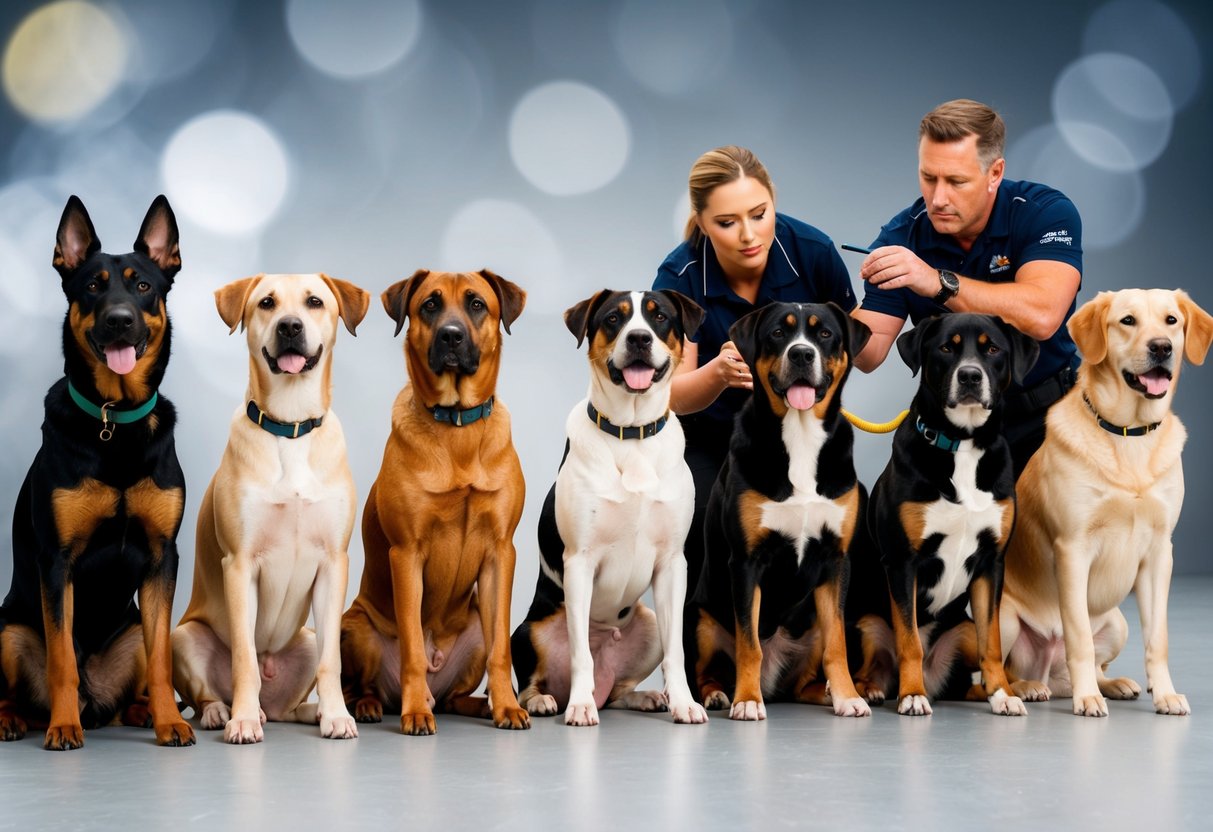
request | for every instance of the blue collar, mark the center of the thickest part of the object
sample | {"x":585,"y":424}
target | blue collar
{"x":459,"y":417}
{"x":288,"y":430}
{"x":936,"y":438}
{"x":626,"y":432}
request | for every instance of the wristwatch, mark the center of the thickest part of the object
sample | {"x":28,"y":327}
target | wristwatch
{"x":949,"y":286}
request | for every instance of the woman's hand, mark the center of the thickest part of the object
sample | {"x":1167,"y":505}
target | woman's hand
{"x":731,"y":369}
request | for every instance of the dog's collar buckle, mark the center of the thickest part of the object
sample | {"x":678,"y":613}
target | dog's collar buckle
{"x":935,"y":437}
{"x":626,"y":431}
{"x":108,"y":414}
{"x":462,"y":417}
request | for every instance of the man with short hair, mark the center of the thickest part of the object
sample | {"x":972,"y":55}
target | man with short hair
{"x":976,"y":242}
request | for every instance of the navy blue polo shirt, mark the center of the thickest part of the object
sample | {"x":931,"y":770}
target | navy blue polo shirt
{"x":802,"y":266}
{"x":1029,"y":222}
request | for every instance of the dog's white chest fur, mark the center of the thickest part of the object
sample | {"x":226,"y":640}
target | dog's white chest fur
{"x":960,"y":523}
{"x":805,"y":515}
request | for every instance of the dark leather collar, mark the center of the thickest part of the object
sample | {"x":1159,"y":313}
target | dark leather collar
{"x":628,"y":431}
{"x":1119,"y":430}
{"x":288,"y":430}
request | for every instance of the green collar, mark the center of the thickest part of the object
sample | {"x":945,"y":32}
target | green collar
{"x":109,"y":415}
{"x":937,"y":438}
{"x":287,"y":430}
{"x":459,"y":417}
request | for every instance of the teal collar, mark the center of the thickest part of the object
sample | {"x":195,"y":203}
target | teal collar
{"x":936,"y":438}
{"x":459,"y":417}
{"x":1119,"y":430}
{"x":288,"y":430}
{"x":626,"y":432}
{"x":109,"y":415}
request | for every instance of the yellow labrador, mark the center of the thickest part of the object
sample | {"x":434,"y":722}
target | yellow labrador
{"x":1098,"y":503}
{"x":274,"y":526}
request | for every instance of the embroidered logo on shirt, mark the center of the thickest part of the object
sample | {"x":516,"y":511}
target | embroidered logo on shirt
{"x":999,"y":263}
{"x":1060,"y":236}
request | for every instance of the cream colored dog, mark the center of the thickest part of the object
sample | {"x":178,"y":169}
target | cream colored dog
{"x":1098,"y":503}
{"x":274,"y":526}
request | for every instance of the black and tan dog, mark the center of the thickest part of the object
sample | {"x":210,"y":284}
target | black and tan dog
{"x":97,"y":516}
{"x":768,"y":610}
{"x":438,"y":529}
{"x":941,"y":516}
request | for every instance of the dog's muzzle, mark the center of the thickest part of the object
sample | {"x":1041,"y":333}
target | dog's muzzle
{"x":1155,"y":381}
{"x":799,"y":379}
{"x":635,"y":369}
{"x":119,"y":336}
{"x":970,"y":386}
{"x":452,"y":349}
{"x":290,"y":342}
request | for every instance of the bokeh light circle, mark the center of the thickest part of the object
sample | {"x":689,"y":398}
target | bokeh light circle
{"x":673,"y":47}
{"x":355,"y":38}
{"x":1154,"y":34}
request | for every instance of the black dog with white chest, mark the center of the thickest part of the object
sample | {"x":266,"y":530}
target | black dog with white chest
{"x":97,"y":517}
{"x":941,"y":514}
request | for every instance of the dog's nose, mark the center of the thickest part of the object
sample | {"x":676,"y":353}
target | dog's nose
{"x":289,"y":327}
{"x":969,"y":376}
{"x":119,"y":319}
{"x":640,"y":339}
{"x":1160,"y":348}
{"x":800,"y":355}
{"x":451,"y":336}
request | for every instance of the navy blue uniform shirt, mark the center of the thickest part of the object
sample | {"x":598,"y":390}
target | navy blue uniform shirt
{"x":802,"y":266}
{"x":1029,"y":222}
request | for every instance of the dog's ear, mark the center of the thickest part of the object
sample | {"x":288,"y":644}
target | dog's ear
{"x":744,"y":335}
{"x":158,"y":237}
{"x":857,"y":332}
{"x":230,"y":300}
{"x":1089,"y":328}
{"x":577,"y":317}
{"x":1198,"y":328}
{"x":1024,"y":350}
{"x":76,"y":240}
{"x":352,"y":302}
{"x":510,"y":297}
{"x":397,"y":296}
{"x":690,"y":314}
{"x":909,"y":343}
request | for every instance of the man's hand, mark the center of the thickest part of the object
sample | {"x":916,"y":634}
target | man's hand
{"x":894,"y":267}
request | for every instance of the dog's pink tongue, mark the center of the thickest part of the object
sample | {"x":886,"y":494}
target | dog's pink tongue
{"x":1156,"y":383}
{"x":120,"y":358}
{"x":291,"y":362}
{"x":802,"y":396}
{"x":638,"y":376}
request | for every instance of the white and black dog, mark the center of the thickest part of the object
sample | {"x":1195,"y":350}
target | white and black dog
{"x":615,"y":523}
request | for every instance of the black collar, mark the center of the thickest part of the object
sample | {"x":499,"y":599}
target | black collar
{"x":289,"y":430}
{"x":629,"y":432}
{"x":459,"y":417}
{"x":1119,"y":430}
{"x":937,"y":438}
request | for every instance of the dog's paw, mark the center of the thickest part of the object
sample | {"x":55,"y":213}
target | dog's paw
{"x":340,"y":727}
{"x":368,"y":709}
{"x":512,"y":719}
{"x":12,"y":727}
{"x":644,"y":700}
{"x":583,"y":714}
{"x":1029,"y":690}
{"x":420,"y":724}
{"x":856,"y":706}
{"x":243,"y":731}
{"x":717,"y":700}
{"x":688,"y":712}
{"x":872,"y":694}
{"x":138,"y":715}
{"x":63,"y":737}
{"x":748,"y":711}
{"x":542,"y":704}
{"x":174,"y":734}
{"x":215,"y":715}
{"x":914,"y":705}
{"x":1175,"y":704}
{"x":1004,"y":705}
{"x":1120,"y":688}
{"x":1090,"y":705}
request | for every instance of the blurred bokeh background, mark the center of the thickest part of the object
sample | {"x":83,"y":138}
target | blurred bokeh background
{"x":550,"y":141}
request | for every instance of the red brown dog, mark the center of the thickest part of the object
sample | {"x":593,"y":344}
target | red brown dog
{"x":438,"y":528}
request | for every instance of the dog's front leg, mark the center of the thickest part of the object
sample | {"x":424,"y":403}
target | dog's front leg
{"x":240,"y":590}
{"x":747,"y":602}
{"x":827,"y":597}
{"x":669,"y":595}
{"x":495,"y":584}
{"x":62,"y":673}
{"x":328,"y":596}
{"x":984,"y":600}
{"x":155,"y":607}
{"x":1152,"y":589}
{"x":416,"y":714}
{"x":903,"y":592}
{"x":1072,"y":567}
{"x":578,"y":596}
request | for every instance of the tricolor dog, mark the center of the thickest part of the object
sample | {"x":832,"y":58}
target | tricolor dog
{"x":1098,"y":504}
{"x":433,"y":610}
{"x":274,"y":526}
{"x":615,"y":524}
{"x":941,"y":515}
{"x":97,"y":517}
{"x":768,"y":611}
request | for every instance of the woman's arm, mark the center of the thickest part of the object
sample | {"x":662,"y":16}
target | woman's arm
{"x":693,"y":388}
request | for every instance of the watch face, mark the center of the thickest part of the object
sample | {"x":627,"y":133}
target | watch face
{"x":949,"y":280}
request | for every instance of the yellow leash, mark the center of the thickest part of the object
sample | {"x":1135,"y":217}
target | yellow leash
{"x":874,"y":427}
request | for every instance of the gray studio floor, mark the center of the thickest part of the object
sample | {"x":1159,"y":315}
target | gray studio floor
{"x":961,"y":768}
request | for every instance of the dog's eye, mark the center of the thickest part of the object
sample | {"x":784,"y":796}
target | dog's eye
{"x":267,"y":302}
{"x":477,"y":304}
{"x":1128,"y":320}
{"x":777,"y":333}
{"x":143,"y":286}
{"x":659,"y":318}
{"x":945,"y":348}
{"x":93,"y":285}
{"x":1172,"y":320}
{"x":992,"y":349}
{"x":430,"y":305}
{"x":315,"y":302}
{"x":825,"y":334}
{"x":612,"y":318}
